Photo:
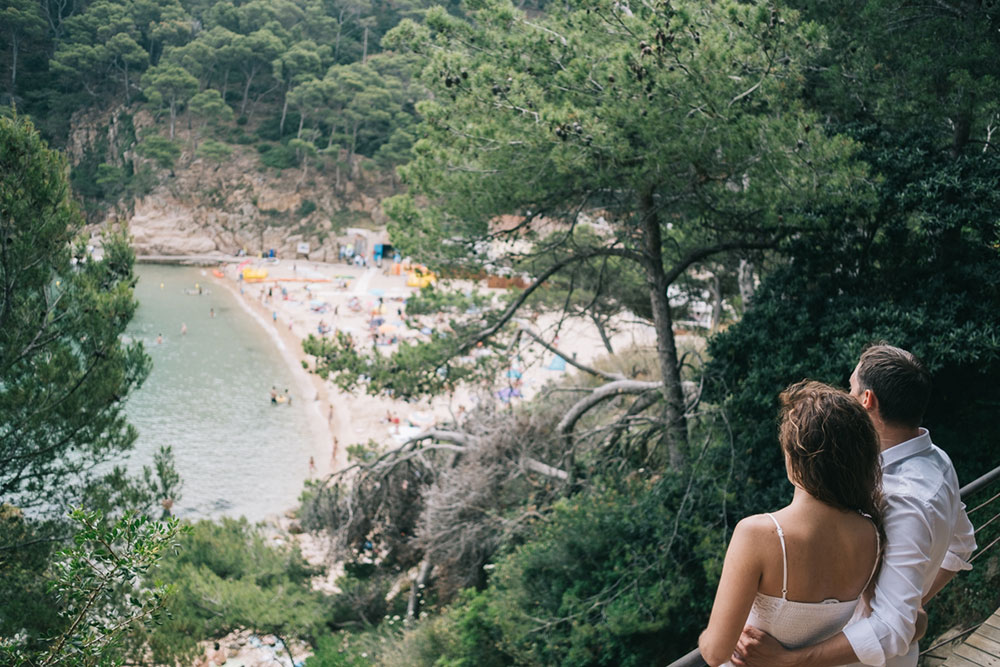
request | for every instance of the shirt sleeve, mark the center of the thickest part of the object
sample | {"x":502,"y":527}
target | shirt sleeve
{"x":889,"y":630}
{"x":963,"y":543}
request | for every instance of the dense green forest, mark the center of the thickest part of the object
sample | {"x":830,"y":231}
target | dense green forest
{"x":825,"y":174}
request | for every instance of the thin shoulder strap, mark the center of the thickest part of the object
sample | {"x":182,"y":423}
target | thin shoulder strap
{"x":878,"y":552}
{"x":784,"y":558}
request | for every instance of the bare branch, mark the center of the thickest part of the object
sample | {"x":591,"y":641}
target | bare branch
{"x":569,"y":358}
{"x":598,"y":396}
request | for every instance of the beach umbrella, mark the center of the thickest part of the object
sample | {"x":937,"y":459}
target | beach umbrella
{"x":376,"y":291}
{"x":514,"y":373}
{"x":421,"y":419}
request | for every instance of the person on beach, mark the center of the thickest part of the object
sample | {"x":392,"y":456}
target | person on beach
{"x":928,"y":531}
{"x":800,"y":573}
{"x":312,"y":466}
{"x":288,"y":397}
{"x":274,"y":395}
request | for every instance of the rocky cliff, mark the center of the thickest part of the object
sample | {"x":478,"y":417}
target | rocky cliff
{"x":202,"y":206}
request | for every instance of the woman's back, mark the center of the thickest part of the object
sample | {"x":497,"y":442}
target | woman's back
{"x":831,"y":553}
{"x":828,"y":557}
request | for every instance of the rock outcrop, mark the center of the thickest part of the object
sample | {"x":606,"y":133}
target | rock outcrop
{"x":201,"y":206}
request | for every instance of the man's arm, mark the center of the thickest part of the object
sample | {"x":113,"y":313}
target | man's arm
{"x":941,"y":579}
{"x":756,"y":648}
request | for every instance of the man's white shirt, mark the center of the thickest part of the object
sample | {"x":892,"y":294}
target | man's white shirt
{"x":926,"y":529}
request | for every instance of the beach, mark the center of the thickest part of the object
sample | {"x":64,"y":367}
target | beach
{"x":298,"y":298}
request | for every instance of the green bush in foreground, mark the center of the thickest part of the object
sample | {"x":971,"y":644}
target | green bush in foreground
{"x":228,"y":575}
{"x":612,"y":576}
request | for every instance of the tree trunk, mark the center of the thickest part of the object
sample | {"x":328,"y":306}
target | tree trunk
{"x":246,"y":92}
{"x":963,"y":125}
{"x":364,"y":48}
{"x":716,"y":289}
{"x":422,"y":575}
{"x":666,"y":347}
{"x":340,"y":30}
{"x":354,"y":143}
{"x":744,"y":278}
{"x":284,"y":113}
{"x":13,"y":62}
{"x":173,"y":117}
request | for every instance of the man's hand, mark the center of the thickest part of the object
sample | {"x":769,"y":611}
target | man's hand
{"x":756,"y":648}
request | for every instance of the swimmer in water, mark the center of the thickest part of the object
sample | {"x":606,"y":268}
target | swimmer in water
{"x":211,"y":312}
{"x":159,"y":339}
{"x":184,"y":329}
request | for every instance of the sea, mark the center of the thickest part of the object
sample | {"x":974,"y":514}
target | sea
{"x":208,"y":397}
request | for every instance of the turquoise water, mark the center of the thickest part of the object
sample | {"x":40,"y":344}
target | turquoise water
{"x":208,"y":396}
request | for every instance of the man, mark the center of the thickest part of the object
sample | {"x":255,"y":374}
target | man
{"x":928,"y":533}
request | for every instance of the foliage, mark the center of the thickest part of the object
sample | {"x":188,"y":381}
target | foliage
{"x":66,"y":370}
{"x":606,"y":577}
{"x":227,"y":575}
{"x":213,"y":150}
{"x":154,"y":492}
{"x":439,"y":299}
{"x":305,"y":208}
{"x":98,"y":583}
{"x":278,"y":156}
{"x":161,"y":150}
{"x":812,"y":317}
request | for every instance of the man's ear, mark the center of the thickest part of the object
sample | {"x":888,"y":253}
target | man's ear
{"x":869,"y":400}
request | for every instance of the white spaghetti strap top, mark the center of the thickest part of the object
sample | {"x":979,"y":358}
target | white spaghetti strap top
{"x":797,"y":624}
{"x":784,"y":558}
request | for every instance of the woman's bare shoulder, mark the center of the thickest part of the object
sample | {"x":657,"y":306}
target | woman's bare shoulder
{"x":755,"y":525}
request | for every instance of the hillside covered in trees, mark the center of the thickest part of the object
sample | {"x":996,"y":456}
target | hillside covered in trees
{"x":821,"y":175}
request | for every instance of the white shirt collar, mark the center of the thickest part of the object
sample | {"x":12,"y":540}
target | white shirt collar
{"x":907,"y":448}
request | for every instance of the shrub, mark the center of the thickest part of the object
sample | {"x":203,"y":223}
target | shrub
{"x":278,"y":156}
{"x":305,"y":208}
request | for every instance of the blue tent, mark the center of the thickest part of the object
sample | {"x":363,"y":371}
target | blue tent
{"x":557,"y":364}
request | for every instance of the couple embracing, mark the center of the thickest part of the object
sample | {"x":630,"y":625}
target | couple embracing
{"x":875,"y":528}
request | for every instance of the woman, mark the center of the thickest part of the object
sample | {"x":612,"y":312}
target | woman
{"x":800,"y":573}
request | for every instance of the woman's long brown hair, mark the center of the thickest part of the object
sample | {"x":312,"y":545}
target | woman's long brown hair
{"x":833,"y":448}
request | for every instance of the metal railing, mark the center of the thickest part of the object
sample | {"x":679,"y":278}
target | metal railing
{"x":694,"y":659}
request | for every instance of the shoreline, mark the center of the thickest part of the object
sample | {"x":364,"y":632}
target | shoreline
{"x":300,"y":296}
{"x":312,"y":389}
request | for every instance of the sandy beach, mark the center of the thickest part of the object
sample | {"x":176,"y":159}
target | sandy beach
{"x":298,"y":297}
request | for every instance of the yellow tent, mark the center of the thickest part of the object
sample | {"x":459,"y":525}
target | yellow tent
{"x":420,"y":277}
